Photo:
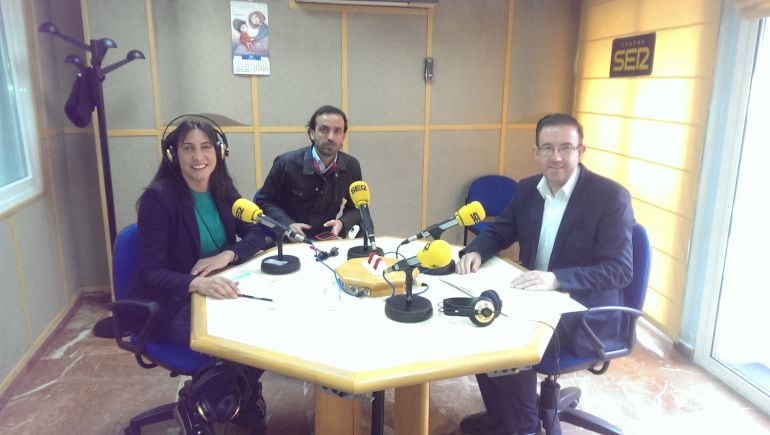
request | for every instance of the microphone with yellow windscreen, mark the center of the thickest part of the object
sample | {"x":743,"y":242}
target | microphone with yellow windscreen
{"x":469,"y":214}
{"x":409,"y":308}
{"x":359,"y":194}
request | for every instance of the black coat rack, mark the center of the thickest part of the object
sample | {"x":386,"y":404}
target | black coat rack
{"x":98,"y":49}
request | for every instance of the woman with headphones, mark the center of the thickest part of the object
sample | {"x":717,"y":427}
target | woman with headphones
{"x":186,"y":232}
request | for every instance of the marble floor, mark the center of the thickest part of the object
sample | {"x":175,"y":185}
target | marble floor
{"x":79,"y":383}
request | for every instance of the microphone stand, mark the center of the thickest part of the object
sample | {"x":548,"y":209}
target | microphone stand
{"x":408,"y":308}
{"x":280,"y":264}
{"x":98,"y":49}
{"x":435,"y":233}
{"x":364,"y":250}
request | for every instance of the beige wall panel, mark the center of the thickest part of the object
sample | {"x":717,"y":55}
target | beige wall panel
{"x":275,"y":144}
{"x":519,"y":154}
{"x":675,"y":100}
{"x":77,"y":215}
{"x":667,"y":188}
{"x":669,"y":144}
{"x":127,"y":90}
{"x":385,"y":68}
{"x":305,"y":64}
{"x":542,"y":64}
{"x":134,"y":161}
{"x":662,"y":312}
{"x":469,"y":53}
{"x":628,"y":17}
{"x":195,"y":63}
{"x":13,"y":345}
{"x":44,"y":293}
{"x":457,"y":158}
{"x":240,"y":163}
{"x":668,"y":232}
{"x":391,"y":164}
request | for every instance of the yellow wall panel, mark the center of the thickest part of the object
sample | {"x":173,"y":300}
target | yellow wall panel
{"x":680,"y":52}
{"x":662,"y":312}
{"x":648,"y":132}
{"x":670,"y":144}
{"x":664,"y":187}
{"x":668,"y":232}
{"x":657,"y":14}
{"x":594,"y":61}
{"x":674,"y":100}
{"x":685,"y":52}
{"x":609,"y":19}
{"x":668,"y":277}
{"x":628,"y":17}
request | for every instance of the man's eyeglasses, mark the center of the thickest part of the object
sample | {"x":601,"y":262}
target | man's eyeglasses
{"x":565,"y":149}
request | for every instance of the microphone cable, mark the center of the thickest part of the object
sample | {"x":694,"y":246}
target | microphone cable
{"x":321,"y":256}
{"x":393,"y":287}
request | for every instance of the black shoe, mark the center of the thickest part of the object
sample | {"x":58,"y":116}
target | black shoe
{"x":189,"y":422}
{"x":480,"y":423}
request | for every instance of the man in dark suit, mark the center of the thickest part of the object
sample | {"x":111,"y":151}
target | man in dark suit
{"x":574,"y":234}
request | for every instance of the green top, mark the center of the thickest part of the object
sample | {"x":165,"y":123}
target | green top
{"x":212,"y":231}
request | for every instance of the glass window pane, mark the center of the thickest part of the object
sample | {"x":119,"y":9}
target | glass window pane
{"x":13,"y":165}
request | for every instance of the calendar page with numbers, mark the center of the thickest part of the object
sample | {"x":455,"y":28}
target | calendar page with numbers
{"x":250,"y":38}
{"x":254,"y":65}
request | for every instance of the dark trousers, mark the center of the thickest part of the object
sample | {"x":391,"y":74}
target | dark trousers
{"x":512,"y":399}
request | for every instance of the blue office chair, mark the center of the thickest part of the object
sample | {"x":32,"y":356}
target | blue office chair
{"x":494,"y":192}
{"x":133,"y":321}
{"x":560,"y":405}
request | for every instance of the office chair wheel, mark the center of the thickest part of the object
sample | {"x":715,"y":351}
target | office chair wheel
{"x":569,"y":398}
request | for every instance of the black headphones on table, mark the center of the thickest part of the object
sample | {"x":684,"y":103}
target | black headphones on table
{"x":168,"y":143}
{"x":481,"y":310}
{"x":219,"y":392}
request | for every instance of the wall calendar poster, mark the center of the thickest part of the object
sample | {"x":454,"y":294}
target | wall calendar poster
{"x":250,"y":38}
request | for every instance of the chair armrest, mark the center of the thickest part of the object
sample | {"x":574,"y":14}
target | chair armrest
{"x":133,"y":320}
{"x":597,"y":344}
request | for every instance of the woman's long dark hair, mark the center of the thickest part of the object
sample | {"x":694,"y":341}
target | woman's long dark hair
{"x":170,"y":172}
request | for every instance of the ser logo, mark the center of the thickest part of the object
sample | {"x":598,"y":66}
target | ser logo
{"x":358,"y":188}
{"x":476,"y":218}
{"x":632,"y":56}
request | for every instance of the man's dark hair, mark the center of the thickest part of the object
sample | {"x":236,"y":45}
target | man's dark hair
{"x":558,"y":119}
{"x":324,"y":110}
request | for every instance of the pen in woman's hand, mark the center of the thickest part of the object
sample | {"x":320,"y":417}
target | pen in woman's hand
{"x":254,"y":297}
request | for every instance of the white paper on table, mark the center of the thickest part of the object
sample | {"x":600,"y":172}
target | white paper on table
{"x":518,"y":303}
{"x":293,"y":290}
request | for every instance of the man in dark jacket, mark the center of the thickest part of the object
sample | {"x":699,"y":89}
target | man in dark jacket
{"x":574,"y":234}
{"x":305,"y":188}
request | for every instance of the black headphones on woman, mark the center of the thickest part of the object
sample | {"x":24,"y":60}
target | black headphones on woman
{"x":481,"y":310}
{"x":168,"y":143}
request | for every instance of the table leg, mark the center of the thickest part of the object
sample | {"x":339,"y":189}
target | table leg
{"x":335,"y":415}
{"x":411,"y":409}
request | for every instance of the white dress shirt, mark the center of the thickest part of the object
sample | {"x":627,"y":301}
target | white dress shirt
{"x":553,"y":211}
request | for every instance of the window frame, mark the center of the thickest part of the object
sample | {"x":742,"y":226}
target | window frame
{"x":15,"y":193}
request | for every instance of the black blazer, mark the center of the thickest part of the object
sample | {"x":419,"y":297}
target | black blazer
{"x":169,"y":245}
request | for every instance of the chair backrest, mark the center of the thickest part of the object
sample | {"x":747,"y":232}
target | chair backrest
{"x":494,"y":192}
{"x":125,"y":254}
{"x":634,"y":293}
